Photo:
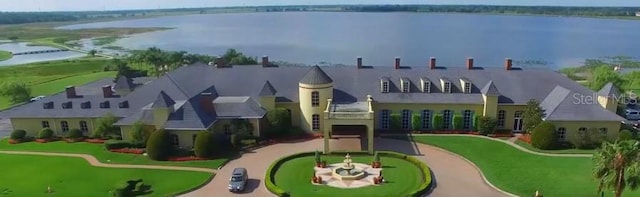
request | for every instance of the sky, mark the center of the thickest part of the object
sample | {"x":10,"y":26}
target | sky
{"x":83,"y":5}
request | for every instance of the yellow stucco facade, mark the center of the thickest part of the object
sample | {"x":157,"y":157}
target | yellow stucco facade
{"x":34,"y":125}
{"x":308,"y":108}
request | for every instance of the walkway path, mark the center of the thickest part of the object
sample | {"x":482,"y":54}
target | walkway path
{"x":454,"y":175}
{"x":94,"y":162}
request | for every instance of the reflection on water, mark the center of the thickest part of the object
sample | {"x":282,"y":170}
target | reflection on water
{"x":25,"y":59}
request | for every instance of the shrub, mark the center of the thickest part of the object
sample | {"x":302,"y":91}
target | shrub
{"x":45,"y":133}
{"x":18,"y":134}
{"x":279,"y":120}
{"x":544,"y":136}
{"x":395,"y":122}
{"x":487,"y":125}
{"x":105,"y":127}
{"x":416,"y":122}
{"x":476,"y":123}
{"x":317,"y":156}
{"x":117,"y":144}
{"x":457,"y":122}
{"x":438,"y":122}
{"x":585,"y":140}
{"x":74,"y":134}
{"x":376,"y":157}
{"x":204,"y":146}
{"x":236,"y":140}
{"x":625,"y":135}
{"x":159,"y":145}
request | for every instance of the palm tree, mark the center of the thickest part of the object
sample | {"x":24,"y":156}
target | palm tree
{"x":617,"y":166}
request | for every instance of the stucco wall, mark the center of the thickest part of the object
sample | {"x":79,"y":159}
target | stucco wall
{"x":295,"y":112}
{"x":510,"y":111}
{"x":307,"y":110}
{"x":185,"y":138}
{"x":219,"y":126}
{"x":34,"y":125}
{"x":613,"y":128}
{"x":396,"y":108}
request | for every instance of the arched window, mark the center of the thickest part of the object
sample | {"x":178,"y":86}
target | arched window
{"x":83,"y":126}
{"x":315,"y":98}
{"x":64,"y":125}
{"x":174,"y":140}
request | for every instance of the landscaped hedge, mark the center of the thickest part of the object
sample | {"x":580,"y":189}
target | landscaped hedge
{"x":18,"y":134}
{"x":45,"y":133}
{"x":74,"y":134}
{"x":117,"y":144}
{"x":273,"y":188}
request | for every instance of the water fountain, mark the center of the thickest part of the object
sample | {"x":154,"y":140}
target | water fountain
{"x":348,"y":171}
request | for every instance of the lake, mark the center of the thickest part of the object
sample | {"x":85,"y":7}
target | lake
{"x":31,"y":58}
{"x":339,"y":37}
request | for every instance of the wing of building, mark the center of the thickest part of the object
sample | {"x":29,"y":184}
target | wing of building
{"x":202,"y":97}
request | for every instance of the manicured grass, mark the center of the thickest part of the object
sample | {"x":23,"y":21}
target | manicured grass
{"x":27,"y":175}
{"x":561,"y":151}
{"x":105,"y":40}
{"x":294,"y":176}
{"x":523,"y":173}
{"x":59,"y":85}
{"x":104,"y":156}
{"x":5,"y":55}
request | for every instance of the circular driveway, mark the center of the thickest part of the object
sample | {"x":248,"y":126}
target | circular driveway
{"x":454,"y":176}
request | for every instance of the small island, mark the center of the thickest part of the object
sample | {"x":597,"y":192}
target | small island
{"x":5,"y":55}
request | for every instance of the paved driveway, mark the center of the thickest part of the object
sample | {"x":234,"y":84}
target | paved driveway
{"x":454,"y":176}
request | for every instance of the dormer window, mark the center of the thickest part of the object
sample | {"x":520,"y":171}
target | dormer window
{"x":467,"y":87}
{"x":124,"y":104}
{"x":384,"y":85}
{"x":406,"y":84}
{"x":85,"y":105}
{"x":447,"y":87}
{"x":66,"y":105}
{"x":426,"y":85}
{"x":105,"y":105}
{"x":48,"y":105}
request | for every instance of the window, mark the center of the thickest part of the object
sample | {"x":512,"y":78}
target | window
{"x":467,"y":87}
{"x":174,"y":140}
{"x":426,"y":86}
{"x":447,"y":87}
{"x":603,"y":131}
{"x":104,"y":105}
{"x":582,"y":131}
{"x":446,"y":117}
{"x":406,"y":118}
{"x":385,"y":86}
{"x":561,"y":133}
{"x":64,"y":125}
{"x":45,"y":124}
{"x":405,"y":85}
{"x":315,"y":98}
{"x":501,"y":118}
{"x":466,"y":119}
{"x":226,"y":129}
{"x":384,"y":119}
{"x":315,"y":122}
{"x":426,"y":119}
{"x":193,"y":139}
{"x":83,"y":126}
{"x":517,"y":121}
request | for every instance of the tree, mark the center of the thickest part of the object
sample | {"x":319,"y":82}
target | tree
{"x":457,"y":122}
{"x":617,"y":166}
{"x":159,"y":145}
{"x":585,"y":139}
{"x":532,"y":116}
{"x":137,"y":133}
{"x":105,"y":126}
{"x":17,"y":92}
{"x":92,"y":52}
{"x":204,"y":146}
{"x":544,"y":136}
{"x":13,"y":38}
{"x":604,"y":74}
{"x":438,"y":122}
{"x":487,"y":125}
{"x":416,"y":122}
{"x":233,"y":57}
{"x":625,"y":135}
{"x":279,"y":120}
{"x":242,"y":127}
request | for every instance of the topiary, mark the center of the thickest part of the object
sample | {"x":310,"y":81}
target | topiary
{"x":45,"y":133}
{"x":625,"y":135}
{"x":74,"y":134}
{"x":18,"y":134}
{"x":159,"y":145}
{"x":204,"y":146}
{"x":376,"y":157}
{"x":457,"y":122}
{"x":416,"y":122}
{"x":544,"y":136}
{"x":438,"y":122}
{"x":318,"y":159}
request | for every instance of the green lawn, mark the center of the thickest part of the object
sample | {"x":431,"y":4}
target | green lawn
{"x":295,"y":176}
{"x":105,"y":40}
{"x":523,"y":173}
{"x":98,"y":151}
{"x":5,"y":55}
{"x":27,"y":175}
{"x":562,"y":151}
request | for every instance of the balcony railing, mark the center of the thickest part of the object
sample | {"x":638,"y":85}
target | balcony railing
{"x":350,"y":115}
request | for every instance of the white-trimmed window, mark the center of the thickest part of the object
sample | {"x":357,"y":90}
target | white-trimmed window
{"x":385,"y":86}
{"x":603,"y":131}
{"x":406,"y":118}
{"x":501,"y":118}
{"x":45,"y":124}
{"x":315,"y":98}
{"x":384,"y":119}
{"x":426,"y":119}
{"x":426,"y":86}
{"x":64,"y":125}
{"x":466,"y":119}
{"x":84,"y":127}
{"x":562,"y":132}
{"x":467,"y":87}
{"x":446,"y":117}
{"x":447,"y":87}
{"x":315,"y":122}
{"x":175,"y":141}
{"x":405,"y":85}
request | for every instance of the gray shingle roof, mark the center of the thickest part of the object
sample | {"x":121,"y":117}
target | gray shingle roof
{"x":562,"y":104}
{"x":267,"y":90}
{"x":237,"y":107}
{"x":124,"y":83}
{"x":490,"y":89}
{"x":316,"y":76}
{"x":608,"y":90}
{"x":163,"y":101}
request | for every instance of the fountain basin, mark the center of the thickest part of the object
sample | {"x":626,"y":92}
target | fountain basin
{"x":341,"y":173}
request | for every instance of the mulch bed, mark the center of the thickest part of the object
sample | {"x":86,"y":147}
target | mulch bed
{"x":189,"y":158}
{"x":42,"y":140}
{"x":138,"y":151}
{"x":95,"y":141}
{"x":12,"y":141}
{"x":525,"y":138}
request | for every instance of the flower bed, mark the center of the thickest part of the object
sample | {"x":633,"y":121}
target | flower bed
{"x":525,"y":138}
{"x":189,"y":158}
{"x":454,"y":132}
{"x":138,"y":151}
{"x":95,"y":141}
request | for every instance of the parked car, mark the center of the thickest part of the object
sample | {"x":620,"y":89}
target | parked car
{"x":36,"y":98}
{"x":238,"y":180}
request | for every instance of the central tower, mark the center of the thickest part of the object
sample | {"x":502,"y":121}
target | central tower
{"x":314,"y":89}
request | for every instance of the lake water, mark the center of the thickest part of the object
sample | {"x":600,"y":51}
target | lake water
{"x":25,"y":59}
{"x":334,"y":37}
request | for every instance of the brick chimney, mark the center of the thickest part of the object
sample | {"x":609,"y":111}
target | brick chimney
{"x":206,"y":102}
{"x":397,"y":65}
{"x":470,"y":63}
{"x":71,"y":92}
{"x":359,"y":62}
{"x":265,"y":61}
{"x":107,"y":92}
{"x":219,"y":62}
{"x":508,"y":63}
{"x":432,"y":63}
